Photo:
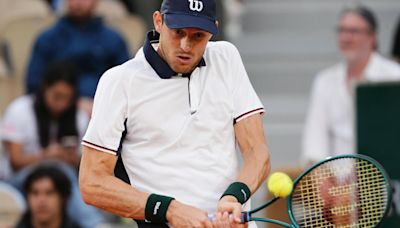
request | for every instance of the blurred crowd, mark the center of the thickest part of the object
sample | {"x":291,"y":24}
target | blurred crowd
{"x":41,"y":129}
{"x":74,"y":43}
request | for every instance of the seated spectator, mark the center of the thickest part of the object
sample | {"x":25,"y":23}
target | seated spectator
{"x":329,"y":128}
{"x":81,"y":38}
{"x":47,"y":190}
{"x":48,"y":126}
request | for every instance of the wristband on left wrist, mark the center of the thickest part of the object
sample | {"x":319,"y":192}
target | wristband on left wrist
{"x":239,"y":190}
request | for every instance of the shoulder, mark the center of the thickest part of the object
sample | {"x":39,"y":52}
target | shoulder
{"x":224,"y":53}
{"x":110,"y":32}
{"x":46,"y":35}
{"x":22,"y":105}
{"x":222,"y":48}
{"x":386,"y":65}
{"x":122,"y":74}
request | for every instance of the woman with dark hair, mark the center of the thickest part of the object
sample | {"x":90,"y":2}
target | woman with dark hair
{"x":47,"y":127}
{"x":47,"y":190}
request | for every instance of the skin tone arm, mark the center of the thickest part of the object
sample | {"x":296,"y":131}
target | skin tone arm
{"x":18,"y":159}
{"x":101,"y":189}
{"x":250,"y":136}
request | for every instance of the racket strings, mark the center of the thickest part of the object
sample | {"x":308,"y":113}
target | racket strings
{"x":344,"y":193}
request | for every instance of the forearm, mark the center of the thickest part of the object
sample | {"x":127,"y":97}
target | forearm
{"x":18,"y":159}
{"x":100,"y":188}
{"x":255,"y":168}
{"x":20,"y":162}
{"x":114,"y":196}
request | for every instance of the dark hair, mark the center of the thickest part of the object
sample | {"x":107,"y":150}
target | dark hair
{"x":365,"y":13}
{"x":57,"y":72}
{"x":60,"y":180}
{"x":61,"y":184}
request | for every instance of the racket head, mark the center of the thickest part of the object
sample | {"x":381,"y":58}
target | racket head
{"x":342,"y":191}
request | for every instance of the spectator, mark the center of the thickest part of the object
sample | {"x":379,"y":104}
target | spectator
{"x":396,"y":43}
{"x":82,"y":38}
{"x":48,"y":126}
{"x":47,"y":190}
{"x":329,"y":128}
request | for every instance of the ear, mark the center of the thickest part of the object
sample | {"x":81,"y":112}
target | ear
{"x":217,"y":23}
{"x":157,"y":21}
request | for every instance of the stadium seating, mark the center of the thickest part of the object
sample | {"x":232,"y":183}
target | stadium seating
{"x":132,"y":28}
{"x":11,"y":207}
{"x":19,"y":35}
{"x":22,"y":27}
{"x":111,"y":9}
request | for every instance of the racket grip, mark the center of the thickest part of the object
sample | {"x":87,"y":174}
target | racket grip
{"x":245,"y":216}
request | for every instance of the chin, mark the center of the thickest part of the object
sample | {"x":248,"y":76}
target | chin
{"x":350,"y":56}
{"x":183,"y":69}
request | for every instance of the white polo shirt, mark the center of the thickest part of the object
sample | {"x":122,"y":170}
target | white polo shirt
{"x":178,"y":131}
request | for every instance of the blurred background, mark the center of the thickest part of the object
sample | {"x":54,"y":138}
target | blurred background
{"x":283,"y":43}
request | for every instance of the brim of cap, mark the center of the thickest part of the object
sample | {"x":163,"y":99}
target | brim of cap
{"x":179,"y":21}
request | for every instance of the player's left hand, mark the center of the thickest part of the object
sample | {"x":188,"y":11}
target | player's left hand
{"x":228,"y":213}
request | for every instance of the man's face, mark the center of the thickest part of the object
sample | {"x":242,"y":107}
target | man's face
{"x":81,"y":8}
{"x":182,"y":49}
{"x":355,"y":39}
{"x":44,"y":201}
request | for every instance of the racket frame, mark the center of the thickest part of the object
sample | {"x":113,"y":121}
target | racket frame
{"x":351,"y":156}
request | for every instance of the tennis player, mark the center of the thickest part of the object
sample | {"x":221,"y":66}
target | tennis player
{"x":161,"y":144}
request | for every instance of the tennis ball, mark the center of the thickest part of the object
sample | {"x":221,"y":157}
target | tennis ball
{"x":280,"y":184}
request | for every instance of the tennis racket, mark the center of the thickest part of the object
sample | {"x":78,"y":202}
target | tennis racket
{"x":344,"y":191}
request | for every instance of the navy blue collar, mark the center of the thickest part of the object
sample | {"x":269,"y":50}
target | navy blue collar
{"x":162,"y":68}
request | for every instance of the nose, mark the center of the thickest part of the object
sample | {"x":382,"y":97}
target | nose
{"x":186,"y":44}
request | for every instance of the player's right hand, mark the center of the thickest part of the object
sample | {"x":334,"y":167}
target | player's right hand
{"x":182,"y":215}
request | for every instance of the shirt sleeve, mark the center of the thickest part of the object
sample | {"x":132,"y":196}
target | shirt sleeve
{"x":316,"y":131}
{"x":12,"y":126}
{"x":245,"y":100}
{"x":107,"y":123}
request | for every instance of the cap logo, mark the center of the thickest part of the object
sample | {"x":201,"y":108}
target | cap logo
{"x":195,"y":5}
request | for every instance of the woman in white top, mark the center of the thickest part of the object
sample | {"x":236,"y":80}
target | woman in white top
{"x":48,"y":127}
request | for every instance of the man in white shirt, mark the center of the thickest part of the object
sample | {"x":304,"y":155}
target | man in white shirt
{"x":167,"y":123}
{"x":329,"y":128}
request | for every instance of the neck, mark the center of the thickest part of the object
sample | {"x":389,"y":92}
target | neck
{"x":53,"y":223}
{"x":355,"y":69}
{"x":80,"y":20}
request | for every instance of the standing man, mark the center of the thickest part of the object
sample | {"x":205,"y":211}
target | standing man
{"x":167,"y":123}
{"x":329,"y":129}
{"x":85,"y":40}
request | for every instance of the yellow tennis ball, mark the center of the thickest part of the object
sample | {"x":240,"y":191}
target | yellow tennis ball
{"x":280,"y":184}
